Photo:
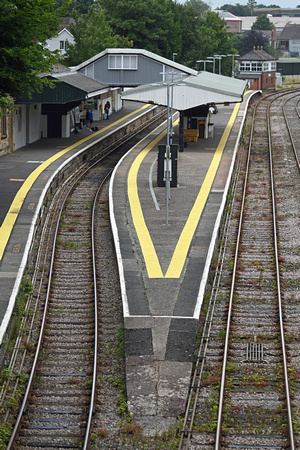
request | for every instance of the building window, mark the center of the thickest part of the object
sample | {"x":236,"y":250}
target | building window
{"x":61,"y":45}
{"x":245,"y":67}
{"x":266,"y":67}
{"x":4,"y":126}
{"x":122,"y":62}
{"x":250,"y":67}
{"x":273,"y":65}
{"x":256,"y":67}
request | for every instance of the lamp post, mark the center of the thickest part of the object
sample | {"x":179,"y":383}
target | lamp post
{"x":213,"y":58}
{"x":200,"y":61}
{"x":219,"y":57}
{"x":233,"y":56}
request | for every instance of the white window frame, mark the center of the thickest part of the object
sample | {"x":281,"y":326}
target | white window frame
{"x":122,"y":62}
{"x":266,"y":66}
{"x":256,"y":67}
{"x":245,"y":66}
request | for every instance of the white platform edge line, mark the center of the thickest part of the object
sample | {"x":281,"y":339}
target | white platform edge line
{"x":214,"y":238}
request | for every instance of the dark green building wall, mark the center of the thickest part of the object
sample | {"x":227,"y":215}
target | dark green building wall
{"x":288,"y":68}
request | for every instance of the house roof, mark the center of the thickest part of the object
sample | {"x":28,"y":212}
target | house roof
{"x":90,"y":86}
{"x":278,"y":22}
{"x":191,"y":91}
{"x":136,"y":51}
{"x":290,"y":32}
{"x":227,"y":15}
{"x":66,"y":30}
{"x":72,"y":87}
{"x":257,"y":55}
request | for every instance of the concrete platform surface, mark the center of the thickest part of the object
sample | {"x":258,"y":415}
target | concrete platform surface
{"x":164,"y":260}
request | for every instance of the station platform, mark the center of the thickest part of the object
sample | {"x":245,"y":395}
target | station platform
{"x":164,"y":256}
{"x":23,"y":177}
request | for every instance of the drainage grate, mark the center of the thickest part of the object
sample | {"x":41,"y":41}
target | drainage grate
{"x":254,"y":352}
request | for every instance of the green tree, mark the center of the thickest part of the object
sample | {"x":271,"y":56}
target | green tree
{"x":237,"y":9}
{"x":81,"y":6}
{"x":252,"y":4}
{"x":253,"y":39}
{"x":199,"y":6}
{"x":262,"y":23}
{"x":92,"y":34}
{"x":214,"y":40}
{"x":237,"y":41}
{"x":153,"y":25}
{"x":25,"y":25}
{"x":190,"y":24}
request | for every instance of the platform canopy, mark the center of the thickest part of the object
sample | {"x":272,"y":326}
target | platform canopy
{"x":191,"y":91}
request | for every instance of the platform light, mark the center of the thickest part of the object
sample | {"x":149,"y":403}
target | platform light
{"x":214,"y":64}
{"x":219,"y":57}
{"x":234,"y":55}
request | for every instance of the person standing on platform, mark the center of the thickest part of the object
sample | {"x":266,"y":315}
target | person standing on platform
{"x":91,"y":119}
{"x":87,"y":115}
{"x":107,"y":108}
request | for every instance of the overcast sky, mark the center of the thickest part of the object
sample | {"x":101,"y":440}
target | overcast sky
{"x":281,"y":3}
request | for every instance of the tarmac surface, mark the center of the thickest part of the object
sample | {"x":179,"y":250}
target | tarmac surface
{"x":163,"y":254}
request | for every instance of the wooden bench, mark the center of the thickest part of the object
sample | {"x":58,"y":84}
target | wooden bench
{"x":191,"y":135}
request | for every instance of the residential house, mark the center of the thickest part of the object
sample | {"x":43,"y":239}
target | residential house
{"x":259,"y":69}
{"x":61,"y":41}
{"x":288,"y":42}
{"x":234,"y":24}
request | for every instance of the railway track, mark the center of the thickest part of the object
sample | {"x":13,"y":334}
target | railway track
{"x":59,"y":401}
{"x":59,"y":411}
{"x":241,"y":394}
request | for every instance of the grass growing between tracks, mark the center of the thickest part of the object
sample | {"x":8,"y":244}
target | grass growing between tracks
{"x":14,"y":382}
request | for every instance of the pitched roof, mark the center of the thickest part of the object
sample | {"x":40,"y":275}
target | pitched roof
{"x":136,"y":51}
{"x":291,"y":31}
{"x":82,"y":82}
{"x":257,"y":55}
{"x":191,"y":91}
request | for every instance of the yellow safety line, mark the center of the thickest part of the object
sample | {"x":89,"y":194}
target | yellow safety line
{"x":11,"y":216}
{"x":150,"y":256}
{"x":183,"y":244}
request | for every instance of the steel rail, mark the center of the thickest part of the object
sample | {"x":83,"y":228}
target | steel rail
{"x":195,"y":385}
{"x":289,"y":129}
{"x":92,"y":402}
{"x":39,"y":344}
{"x":285,"y":368}
{"x":223,"y":378}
